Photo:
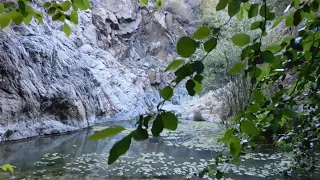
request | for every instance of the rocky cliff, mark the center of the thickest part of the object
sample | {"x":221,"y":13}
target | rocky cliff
{"x":105,"y":70}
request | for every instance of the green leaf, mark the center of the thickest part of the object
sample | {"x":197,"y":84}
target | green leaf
{"x":9,"y":167}
{"x":74,"y":17}
{"x":86,"y":3}
{"x":16,"y":17}
{"x":38,"y":16}
{"x":198,"y":78}
{"x":201,"y":33}
{"x":30,"y":10}
{"x":167,"y":93}
{"x":240,"y":14}
{"x":186,"y":46}
{"x":57,"y":16}
{"x":157,"y":126}
{"x":233,"y":7}
{"x":2,"y":8}
{"x":47,"y":5}
{"x":66,"y":5}
{"x":296,"y":3}
{"x":268,"y":56}
{"x":170,"y":121}
{"x":258,"y":96}
{"x":274,"y":48}
{"x":210,"y":44}
{"x":289,"y":20}
{"x":266,"y":13}
{"x":21,"y":5}
{"x":287,"y":113}
{"x":140,"y":134}
{"x":246,"y":6}
{"x":197,"y":66}
{"x":246,"y":52}
{"x":82,"y":4}
{"x":105,"y":133}
{"x":184,"y":71}
{"x":146,"y":121}
{"x":159,"y":3}
{"x":297,"y":18}
{"x":5,"y":19}
{"x":314,"y":6}
{"x":27,"y":19}
{"x":237,"y":68}
{"x":241,"y":39}
{"x":277,"y":22}
{"x":119,"y":149}
{"x":66,"y":29}
{"x":227,"y":135}
{"x":51,"y":10}
{"x":222,"y":5}
{"x":213,"y":171}
{"x":198,"y":87}
{"x":255,"y":25}
{"x":253,"y":108}
{"x":219,"y":174}
{"x":253,"y":11}
{"x":174,"y":65}
{"x":9,"y":4}
{"x":234,"y":146}
{"x":249,"y":128}
{"x":256,"y":72}
{"x":144,"y":2}
{"x":190,"y":85}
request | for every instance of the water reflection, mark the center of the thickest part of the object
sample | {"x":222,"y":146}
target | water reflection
{"x":72,"y":156}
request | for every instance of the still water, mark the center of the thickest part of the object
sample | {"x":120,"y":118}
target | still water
{"x":175,"y":155}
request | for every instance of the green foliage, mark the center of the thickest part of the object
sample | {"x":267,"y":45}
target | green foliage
{"x":174,"y":65}
{"x":22,"y":12}
{"x":167,"y":93}
{"x":222,"y":4}
{"x":144,"y":2}
{"x":5,"y":20}
{"x":253,"y":11}
{"x":159,"y":3}
{"x":237,"y":68}
{"x":186,"y":46}
{"x":241,"y":39}
{"x":258,"y":97}
{"x":108,"y":132}
{"x":157,"y":126}
{"x":8,"y":167}
{"x":66,"y":29}
{"x":234,"y":146}
{"x":170,"y":121}
{"x":201,"y":33}
{"x":277,"y":21}
{"x":210,"y":44}
{"x":248,"y":127}
{"x":140,"y":134}
{"x":119,"y":148}
{"x":233,"y":7}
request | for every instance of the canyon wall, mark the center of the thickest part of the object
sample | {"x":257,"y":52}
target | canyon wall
{"x":109,"y":68}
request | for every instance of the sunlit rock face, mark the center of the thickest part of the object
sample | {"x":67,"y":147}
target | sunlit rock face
{"x":108,"y":69}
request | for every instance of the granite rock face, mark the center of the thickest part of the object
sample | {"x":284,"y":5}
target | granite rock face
{"x":110,"y":68}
